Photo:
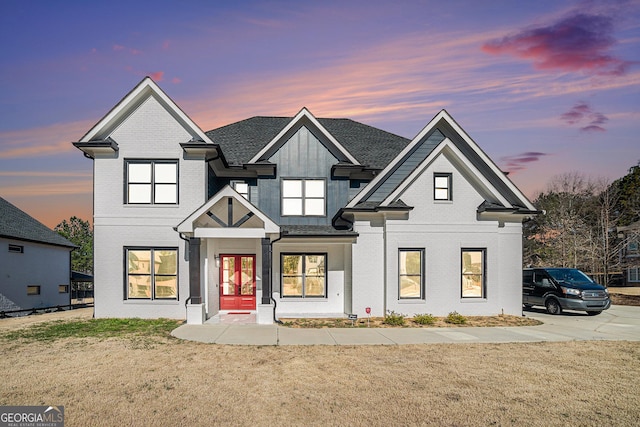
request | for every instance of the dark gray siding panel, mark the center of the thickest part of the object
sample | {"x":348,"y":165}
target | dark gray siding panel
{"x":302,"y":156}
{"x":406,"y":166}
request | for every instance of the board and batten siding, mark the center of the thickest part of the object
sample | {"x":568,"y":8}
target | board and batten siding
{"x":303,"y":156}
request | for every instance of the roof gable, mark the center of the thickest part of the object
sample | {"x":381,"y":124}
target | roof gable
{"x":145,"y":89}
{"x":306,"y":119}
{"x":372,"y":147}
{"x":227,"y":211}
{"x":390,"y":183}
{"x":17,"y":224}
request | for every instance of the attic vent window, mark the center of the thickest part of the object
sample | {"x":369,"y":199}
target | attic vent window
{"x":16,"y":249}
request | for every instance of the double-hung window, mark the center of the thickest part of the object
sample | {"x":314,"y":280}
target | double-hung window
{"x":303,"y":275}
{"x":442,"y":186}
{"x":152,"y":273}
{"x":152,"y":182}
{"x":411,"y":274}
{"x":303,"y":197}
{"x":474,"y":273}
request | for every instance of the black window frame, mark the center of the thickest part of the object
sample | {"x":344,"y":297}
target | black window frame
{"x":304,"y":256}
{"x":152,"y":184}
{"x":449,"y":187}
{"x":152,"y":274}
{"x":484,"y":273}
{"x":422,"y":275}
{"x":15,"y":249}
{"x":38,"y":289}
{"x":303,"y":197}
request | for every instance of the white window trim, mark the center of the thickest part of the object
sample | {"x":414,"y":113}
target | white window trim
{"x":153,"y":185}
{"x":303,"y":197}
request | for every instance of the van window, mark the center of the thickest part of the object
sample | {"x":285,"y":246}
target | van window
{"x":527,"y":277}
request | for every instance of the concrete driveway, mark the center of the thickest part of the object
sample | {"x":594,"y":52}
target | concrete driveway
{"x":620,"y":323}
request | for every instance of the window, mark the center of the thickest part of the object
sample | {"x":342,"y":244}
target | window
{"x":152,"y":182}
{"x":33,"y":290}
{"x":634,"y":274}
{"x":411,"y":277}
{"x":152,"y":273}
{"x":442,"y":186}
{"x":473,"y":273}
{"x":16,"y":249}
{"x":63,"y":289}
{"x":242,"y":188}
{"x":303,"y":197}
{"x":303,"y":275}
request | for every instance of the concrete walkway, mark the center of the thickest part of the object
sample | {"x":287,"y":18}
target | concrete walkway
{"x":619,"y":323}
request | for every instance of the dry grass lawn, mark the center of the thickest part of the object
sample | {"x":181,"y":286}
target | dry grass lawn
{"x":160,"y":381}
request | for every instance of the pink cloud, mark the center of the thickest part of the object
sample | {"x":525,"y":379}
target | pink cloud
{"x":166,"y":44}
{"x":29,"y":142}
{"x":176,"y":80}
{"x":582,"y":112}
{"x":579,"y":42}
{"x":118,"y":47}
{"x":519,"y":162}
{"x":157,"y":75}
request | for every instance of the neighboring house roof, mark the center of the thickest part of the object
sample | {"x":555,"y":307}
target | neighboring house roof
{"x":17,"y":224}
{"x":242,"y":141}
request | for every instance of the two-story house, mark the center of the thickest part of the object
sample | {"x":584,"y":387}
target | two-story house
{"x":296,"y":216}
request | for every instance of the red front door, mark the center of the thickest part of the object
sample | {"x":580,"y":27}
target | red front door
{"x":237,"y":282}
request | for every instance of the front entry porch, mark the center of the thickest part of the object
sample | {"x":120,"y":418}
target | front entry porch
{"x":229,"y":258}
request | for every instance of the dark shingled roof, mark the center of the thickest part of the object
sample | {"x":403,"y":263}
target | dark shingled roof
{"x":372,"y":147}
{"x":314,"y":230}
{"x":18,"y":225}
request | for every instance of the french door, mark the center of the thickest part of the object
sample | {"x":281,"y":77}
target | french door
{"x":237,"y":282}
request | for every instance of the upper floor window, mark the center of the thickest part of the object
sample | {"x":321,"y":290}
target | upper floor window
{"x":303,"y":197}
{"x":442,"y":186}
{"x":242,"y":188}
{"x":152,"y":182}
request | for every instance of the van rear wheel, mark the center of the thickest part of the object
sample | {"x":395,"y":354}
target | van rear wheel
{"x":553,"y":306}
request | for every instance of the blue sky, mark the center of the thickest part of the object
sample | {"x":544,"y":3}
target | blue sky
{"x":544,"y":87}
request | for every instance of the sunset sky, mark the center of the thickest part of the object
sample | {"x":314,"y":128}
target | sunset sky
{"x":544,"y":87}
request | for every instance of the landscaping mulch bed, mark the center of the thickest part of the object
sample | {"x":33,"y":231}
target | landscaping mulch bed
{"x":378,"y":322}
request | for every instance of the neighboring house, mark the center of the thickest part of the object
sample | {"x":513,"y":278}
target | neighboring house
{"x":299,"y":216}
{"x":630,"y":253}
{"x":35,"y":262}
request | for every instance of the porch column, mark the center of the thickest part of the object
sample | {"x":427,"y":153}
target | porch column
{"x":266,"y":271}
{"x":194,"y":271}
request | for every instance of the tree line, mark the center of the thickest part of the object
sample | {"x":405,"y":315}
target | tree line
{"x":579,"y":227}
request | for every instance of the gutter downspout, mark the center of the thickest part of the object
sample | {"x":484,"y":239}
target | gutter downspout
{"x":186,"y":254}
{"x":275,"y":304}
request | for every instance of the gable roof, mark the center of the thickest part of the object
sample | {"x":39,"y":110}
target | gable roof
{"x":145,"y":89}
{"x":390,"y":183}
{"x":187,"y":225}
{"x":244,"y":140}
{"x":17,"y":224}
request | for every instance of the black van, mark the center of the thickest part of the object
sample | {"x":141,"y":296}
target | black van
{"x":563,"y":288}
